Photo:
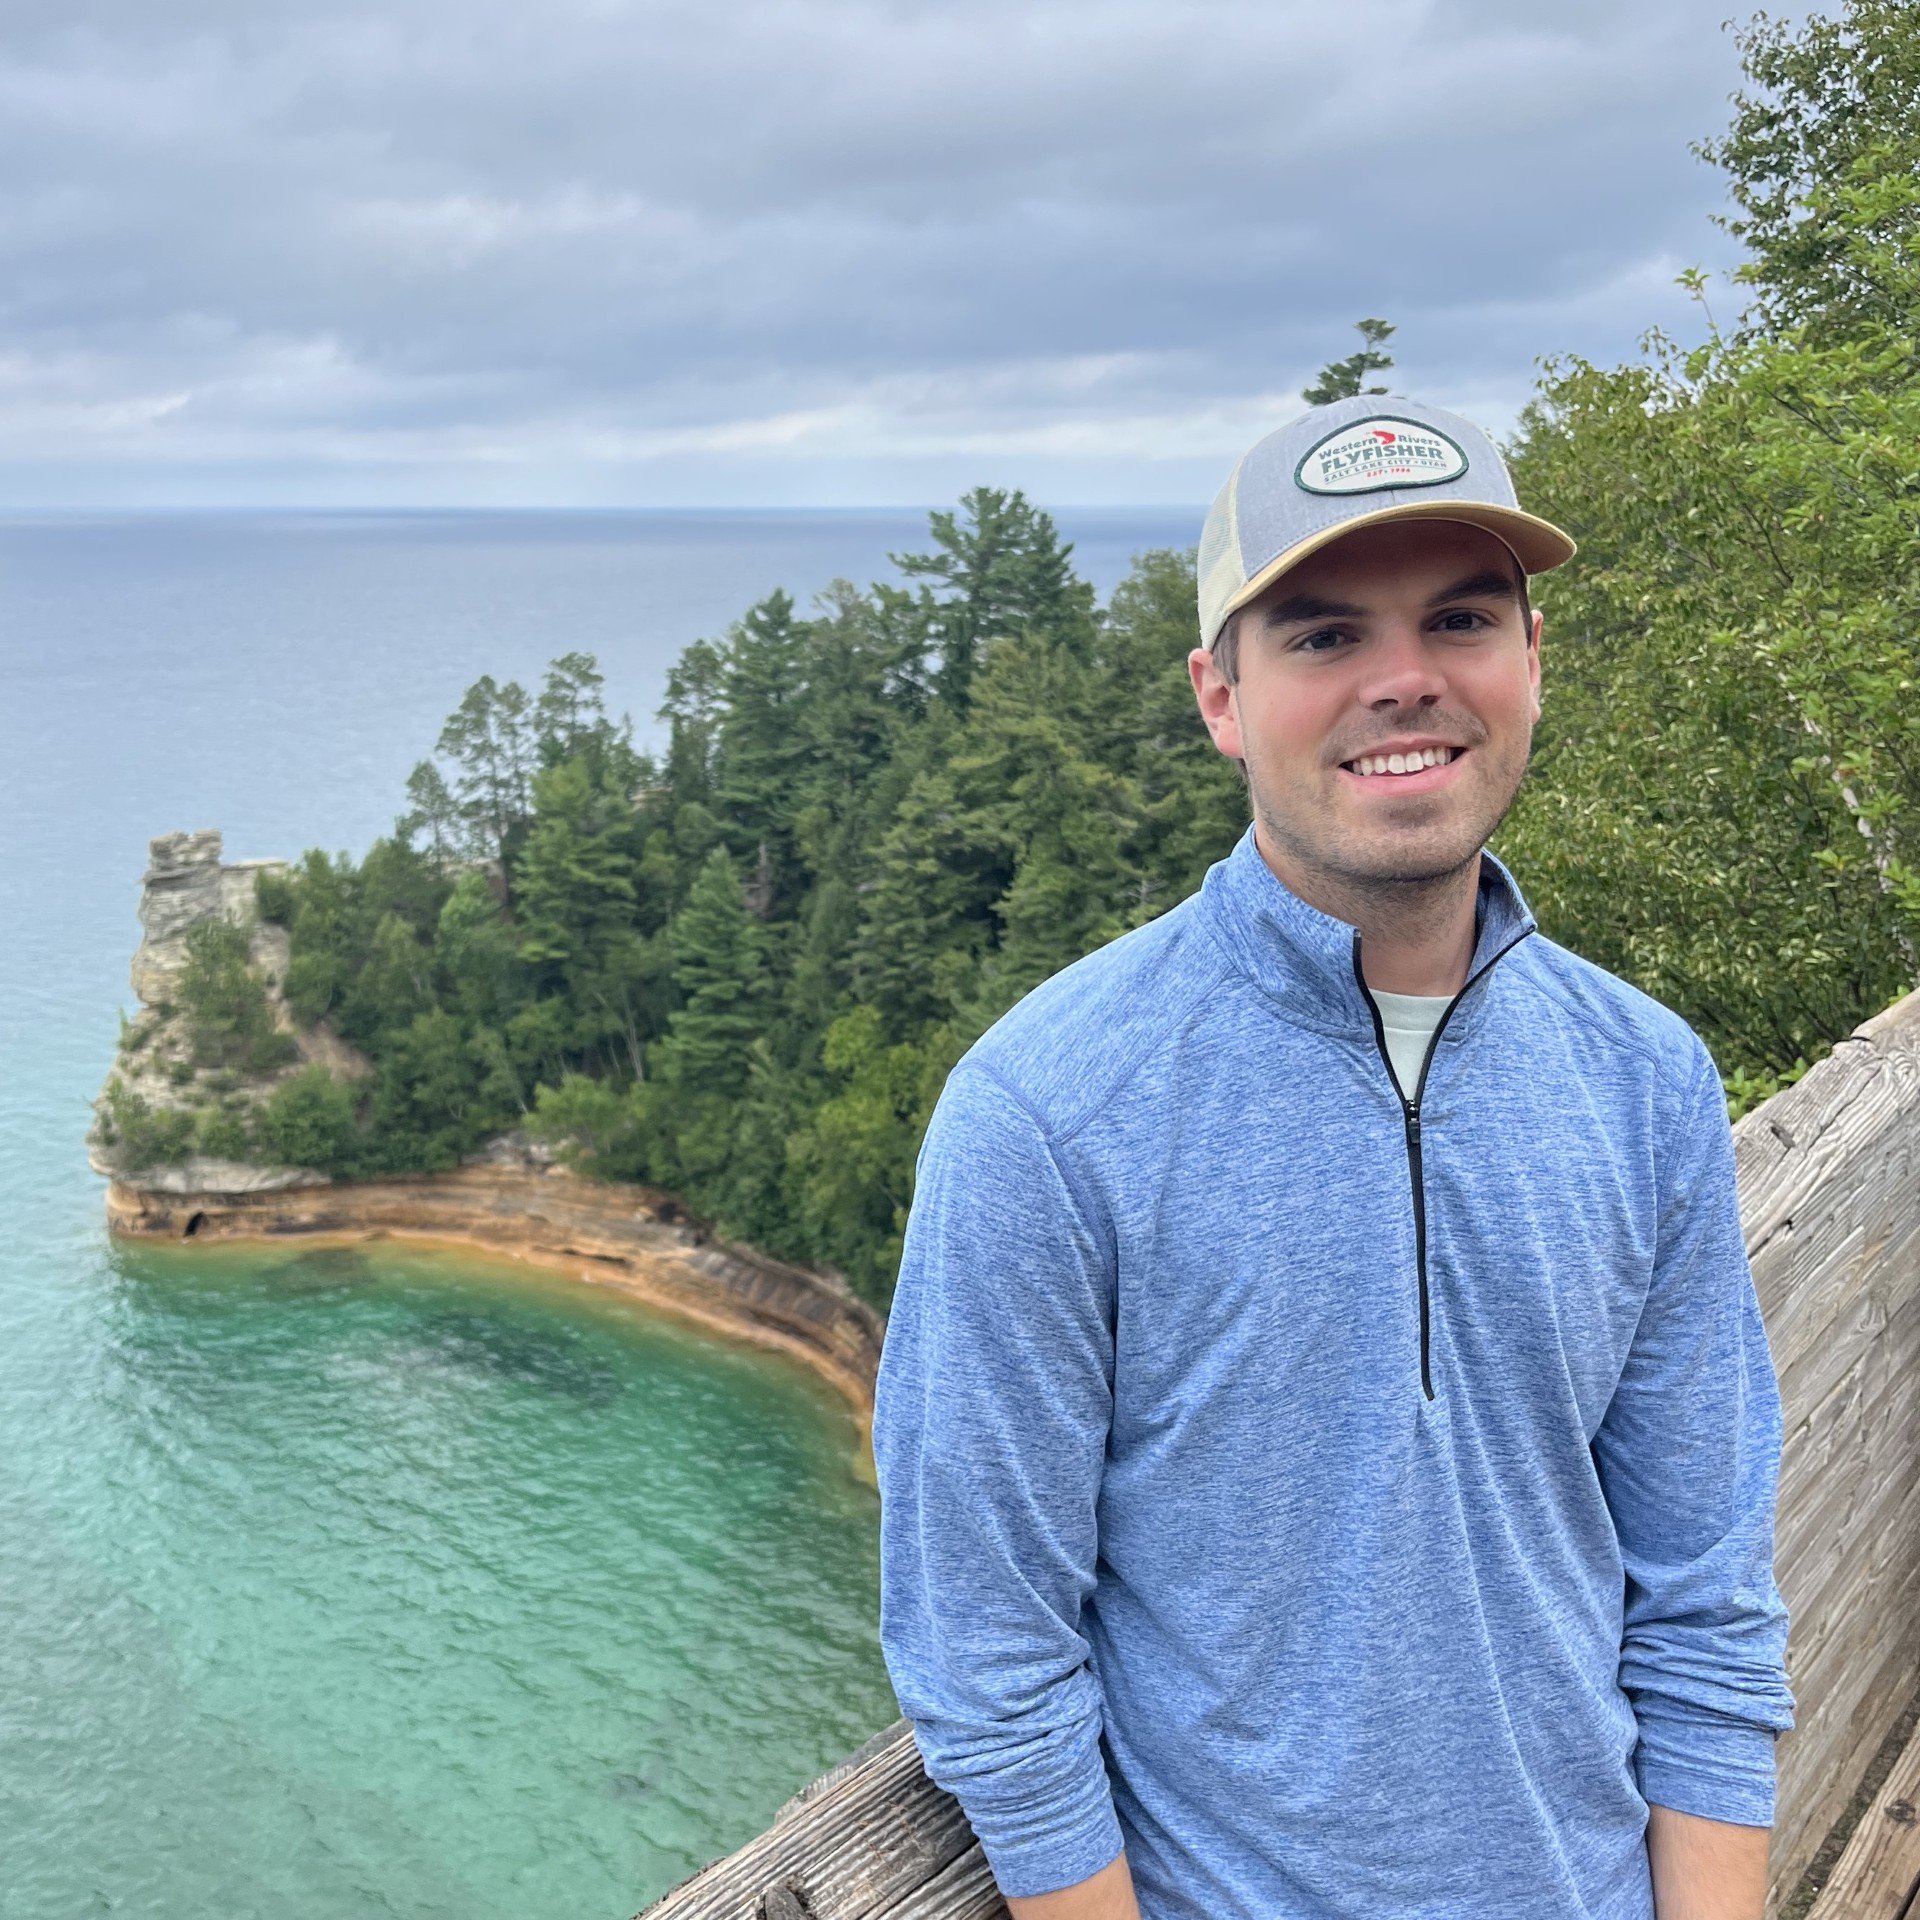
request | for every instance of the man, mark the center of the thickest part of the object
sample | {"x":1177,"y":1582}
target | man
{"x":1326,"y":1435}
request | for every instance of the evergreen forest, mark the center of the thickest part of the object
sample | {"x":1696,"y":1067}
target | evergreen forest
{"x":740,"y":967}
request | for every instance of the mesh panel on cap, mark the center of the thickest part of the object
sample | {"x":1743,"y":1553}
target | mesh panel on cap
{"x":1265,"y":518}
{"x":1222,"y":573}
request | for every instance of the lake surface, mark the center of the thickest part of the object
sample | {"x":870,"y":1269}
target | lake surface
{"x":362,"y":1583}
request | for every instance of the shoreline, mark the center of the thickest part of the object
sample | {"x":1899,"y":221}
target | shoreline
{"x":631,"y":1240}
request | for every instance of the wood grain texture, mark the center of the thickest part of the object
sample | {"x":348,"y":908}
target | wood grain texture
{"x":875,"y":1840}
{"x":963,"y":1891}
{"x":1830,"y":1202}
{"x":1878,"y":1877}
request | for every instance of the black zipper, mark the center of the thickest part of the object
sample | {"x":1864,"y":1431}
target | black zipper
{"x":1410,"y":1115}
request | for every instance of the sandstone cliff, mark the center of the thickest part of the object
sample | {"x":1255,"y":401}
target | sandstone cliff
{"x":164,"y":1104}
{"x":170,"y":1117}
{"x":186,"y":881}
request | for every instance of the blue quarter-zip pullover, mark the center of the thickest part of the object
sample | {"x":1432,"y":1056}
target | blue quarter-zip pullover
{"x":1359,"y":1506}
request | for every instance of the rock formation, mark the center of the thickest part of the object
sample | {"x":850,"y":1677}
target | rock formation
{"x":513,"y":1199}
{"x":159,"y":1090}
{"x":186,"y":881}
{"x":162,"y":1103}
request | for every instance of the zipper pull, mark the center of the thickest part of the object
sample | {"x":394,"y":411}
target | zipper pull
{"x":1413,"y":1123}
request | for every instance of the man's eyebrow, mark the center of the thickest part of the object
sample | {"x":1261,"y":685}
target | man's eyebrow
{"x":1490,"y":585}
{"x":1308,"y":606}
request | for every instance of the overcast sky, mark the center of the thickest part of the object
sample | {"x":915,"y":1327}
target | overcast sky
{"x":553,"y":252}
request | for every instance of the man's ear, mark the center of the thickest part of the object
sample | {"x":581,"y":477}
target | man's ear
{"x":1533,"y":658}
{"x":1218,"y":706}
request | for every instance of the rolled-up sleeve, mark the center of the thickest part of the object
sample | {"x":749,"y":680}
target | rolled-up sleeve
{"x":990,"y":1431}
{"x":1688,"y":1455}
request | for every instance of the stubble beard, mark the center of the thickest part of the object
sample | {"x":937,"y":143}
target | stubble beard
{"x":1353,"y":882}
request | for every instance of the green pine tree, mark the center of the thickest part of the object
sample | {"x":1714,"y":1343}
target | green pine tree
{"x":1001,"y":570}
{"x":720,"y":975}
{"x":489,"y":740}
{"x":1189,"y":803}
{"x":432,"y":810}
{"x":762,"y":756}
{"x":1343,"y":379}
{"x":694,"y":709}
{"x":574,"y":880}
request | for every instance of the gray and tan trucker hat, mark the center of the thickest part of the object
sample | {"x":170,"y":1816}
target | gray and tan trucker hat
{"x":1354,"y":464}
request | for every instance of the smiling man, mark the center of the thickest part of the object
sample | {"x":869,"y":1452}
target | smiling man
{"x":1326,"y":1435}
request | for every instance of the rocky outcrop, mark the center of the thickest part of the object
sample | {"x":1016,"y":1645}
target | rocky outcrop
{"x":161,"y":1082}
{"x":514,"y":1201}
{"x":187,"y":881}
{"x":513,"y":1198}
{"x":202,"y":1173}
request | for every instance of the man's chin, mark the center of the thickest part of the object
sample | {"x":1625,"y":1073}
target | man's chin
{"x":1419,"y":844}
{"x":1409,"y":863}
{"x":1426,"y":844}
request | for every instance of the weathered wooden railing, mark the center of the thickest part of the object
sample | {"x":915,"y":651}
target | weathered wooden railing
{"x":875,"y":1838}
{"x":1830,"y":1196}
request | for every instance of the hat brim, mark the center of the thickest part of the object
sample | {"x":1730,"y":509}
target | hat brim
{"x":1537,"y":544}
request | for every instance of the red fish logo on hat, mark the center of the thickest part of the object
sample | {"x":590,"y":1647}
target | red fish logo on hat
{"x":1384,"y":437}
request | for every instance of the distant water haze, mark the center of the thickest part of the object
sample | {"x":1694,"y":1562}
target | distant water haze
{"x":278,"y":674}
{"x":382,"y":1586}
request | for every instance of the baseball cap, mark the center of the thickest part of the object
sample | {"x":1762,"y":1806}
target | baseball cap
{"x":1356,"y":463}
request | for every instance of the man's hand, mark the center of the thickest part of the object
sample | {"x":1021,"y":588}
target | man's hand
{"x":1702,"y":1869}
{"x":1107,"y":1896}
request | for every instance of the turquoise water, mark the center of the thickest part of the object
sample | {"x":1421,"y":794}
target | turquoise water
{"x":350,"y":1584}
{"x":367,"y":1582}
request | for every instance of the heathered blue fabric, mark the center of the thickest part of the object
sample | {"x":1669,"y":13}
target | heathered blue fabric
{"x":1177,"y":1553}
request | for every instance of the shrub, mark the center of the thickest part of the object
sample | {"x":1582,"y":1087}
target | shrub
{"x":311,"y":1121}
{"x":141,"y":1134}
{"x":595,"y":1125}
{"x":221,"y":1135}
{"x":274,"y":896}
{"x":228,"y":1017}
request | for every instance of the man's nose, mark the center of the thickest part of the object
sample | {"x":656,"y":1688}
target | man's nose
{"x":1403,"y":671}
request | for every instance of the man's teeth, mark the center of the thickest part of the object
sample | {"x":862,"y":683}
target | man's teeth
{"x":1402,"y":762}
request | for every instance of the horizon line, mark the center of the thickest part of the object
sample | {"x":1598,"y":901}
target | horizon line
{"x":121,"y":509}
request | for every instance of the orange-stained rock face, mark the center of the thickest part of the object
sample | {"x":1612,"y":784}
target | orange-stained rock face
{"x":633,"y":1239}
{"x":511,"y":1198}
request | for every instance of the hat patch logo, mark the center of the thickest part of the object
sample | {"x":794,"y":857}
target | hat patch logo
{"x":1373,"y":455}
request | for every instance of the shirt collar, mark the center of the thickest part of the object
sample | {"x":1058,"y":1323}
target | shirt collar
{"x":1304,"y":959}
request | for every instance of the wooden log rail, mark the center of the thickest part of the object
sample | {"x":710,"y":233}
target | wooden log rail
{"x":874,"y":1839}
{"x":1878,"y":1876}
{"x":1830,"y":1199}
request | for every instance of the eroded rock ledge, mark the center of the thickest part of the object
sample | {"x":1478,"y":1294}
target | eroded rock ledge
{"x":631,"y":1239}
{"x":513,"y":1198}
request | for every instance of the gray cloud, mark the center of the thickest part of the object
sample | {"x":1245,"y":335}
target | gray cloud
{"x":858,"y":249}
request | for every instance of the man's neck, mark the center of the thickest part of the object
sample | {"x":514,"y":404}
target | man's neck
{"x":1416,"y":936}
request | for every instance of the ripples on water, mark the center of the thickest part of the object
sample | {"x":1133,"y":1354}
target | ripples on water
{"x":385,"y":1585}
{"x":341,"y":1583}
